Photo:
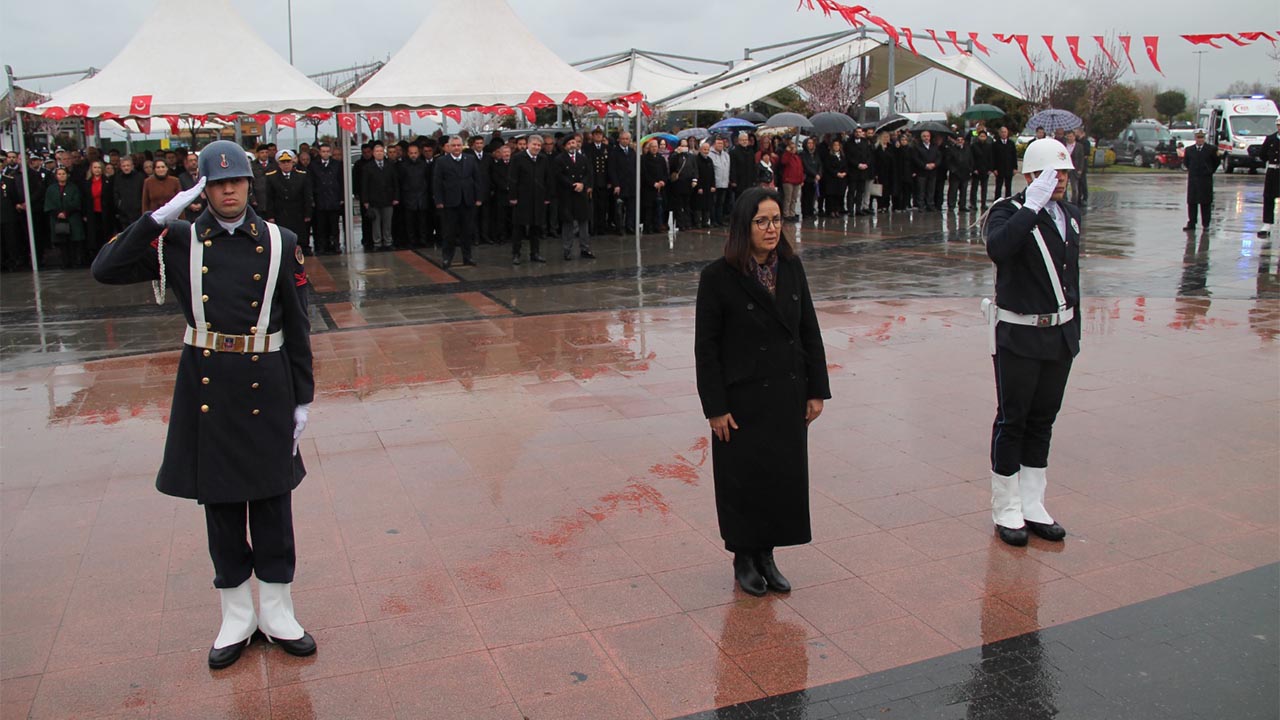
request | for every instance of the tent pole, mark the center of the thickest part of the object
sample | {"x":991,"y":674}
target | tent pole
{"x":26,"y":181}
{"x":893,"y":91}
{"x":635,"y":145}
{"x":348,"y":218}
{"x":968,"y":84}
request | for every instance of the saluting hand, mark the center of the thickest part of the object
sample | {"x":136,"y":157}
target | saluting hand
{"x":720,"y":426}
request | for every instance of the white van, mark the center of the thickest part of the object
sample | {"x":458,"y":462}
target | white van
{"x":1236,"y":124}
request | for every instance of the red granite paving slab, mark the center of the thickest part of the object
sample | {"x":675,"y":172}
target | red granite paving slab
{"x":893,"y":643}
{"x":620,"y":601}
{"x":451,"y":687}
{"x":551,"y":667}
{"x":655,"y":645}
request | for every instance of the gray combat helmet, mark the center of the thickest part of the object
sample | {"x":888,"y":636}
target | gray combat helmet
{"x":223,"y":160}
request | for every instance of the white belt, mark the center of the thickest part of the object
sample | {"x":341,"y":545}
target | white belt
{"x":1049,"y":320}
{"x":218,"y":342}
{"x":1272,"y":166}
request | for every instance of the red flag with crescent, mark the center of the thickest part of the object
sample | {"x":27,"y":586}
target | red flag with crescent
{"x":634,"y":97}
{"x":1102,"y":45}
{"x":375,"y":121}
{"x":644,"y":108}
{"x":54,"y":113}
{"x":600,"y":107}
{"x":576,"y":98}
{"x":140,"y":105}
{"x":88,"y":126}
{"x":108,"y":115}
{"x":1124,"y":43}
{"x":934,"y":35}
{"x":1021,"y":40}
{"x":539,"y":100}
{"x":1152,"y":44}
{"x":911,"y":41}
{"x":400,"y":117}
{"x":529,"y":113}
{"x":955,"y":41}
{"x":1256,"y":36}
{"x":288,"y":120}
{"x":427,"y":112}
{"x":1209,"y":39}
{"x":347,"y":121}
{"x":262,"y":118}
{"x":173,"y":123}
{"x":973,"y":37}
{"x":505,"y":110}
{"x":453,"y":113}
{"x":144,"y":126}
{"x":1073,"y":45}
{"x":78,"y":110}
{"x":1048,"y":42}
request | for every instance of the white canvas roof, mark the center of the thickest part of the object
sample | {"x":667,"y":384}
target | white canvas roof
{"x":765,"y":77}
{"x":257,"y":79}
{"x":653,"y":78}
{"x":474,"y":52}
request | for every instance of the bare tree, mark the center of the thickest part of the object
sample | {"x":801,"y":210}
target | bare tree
{"x":834,"y":88}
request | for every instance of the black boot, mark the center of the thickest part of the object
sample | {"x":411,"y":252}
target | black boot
{"x":747,"y":575}
{"x":1015,"y":537}
{"x":769,"y":569}
{"x":227,"y":656}
{"x":1053,"y":532}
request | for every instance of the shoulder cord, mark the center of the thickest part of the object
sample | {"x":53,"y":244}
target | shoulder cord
{"x":158,"y":286}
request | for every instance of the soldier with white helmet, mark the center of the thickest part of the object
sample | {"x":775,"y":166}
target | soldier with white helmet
{"x":1034,"y":322}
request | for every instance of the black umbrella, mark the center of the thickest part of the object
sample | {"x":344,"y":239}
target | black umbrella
{"x":754,"y":117}
{"x":831,"y":123}
{"x":788,"y":120}
{"x":892,"y":122}
{"x":933,"y":126}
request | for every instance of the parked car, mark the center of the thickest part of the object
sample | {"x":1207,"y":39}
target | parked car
{"x":1141,"y":141}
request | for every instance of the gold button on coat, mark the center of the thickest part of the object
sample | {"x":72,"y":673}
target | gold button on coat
{"x":253,"y":330}
{"x":204,"y":408}
{"x":204,"y":298}
{"x":257,"y":276}
{"x":204,"y":269}
{"x":208,"y":326}
{"x":208,"y":243}
{"x":254,"y":358}
{"x":254,"y":386}
{"x":207,"y":353}
{"x":253,"y":304}
{"x":204,"y":380}
{"x":256,"y":411}
{"x":260,"y":248}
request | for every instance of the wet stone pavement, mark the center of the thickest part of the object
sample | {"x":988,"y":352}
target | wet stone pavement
{"x":509,"y":513}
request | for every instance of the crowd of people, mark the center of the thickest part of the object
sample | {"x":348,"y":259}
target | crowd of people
{"x":459,"y":191}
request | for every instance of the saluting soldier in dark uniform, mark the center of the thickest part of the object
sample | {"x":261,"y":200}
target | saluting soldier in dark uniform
{"x":290,"y":198}
{"x":1201,"y":162}
{"x":1271,"y":181}
{"x":1034,"y":240}
{"x":574,"y":182}
{"x":243,"y":387}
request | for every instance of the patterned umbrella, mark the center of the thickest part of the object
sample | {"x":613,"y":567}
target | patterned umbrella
{"x":695,"y":133}
{"x":1052,"y":120}
{"x":672,"y":140}
{"x":733,"y":123}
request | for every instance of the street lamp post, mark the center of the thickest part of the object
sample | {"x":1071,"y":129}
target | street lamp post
{"x":1199,"y":54}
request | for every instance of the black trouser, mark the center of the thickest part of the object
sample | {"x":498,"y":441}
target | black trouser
{"x":1084,"y":186}
{"x":680,"y":208}
{"x":624,"y":213}
{"x":807,"y":197}
{"x":458,"y":228}
{"x":271,"y":557}
{"x":1004,"y":182}
{"x":857,"y":187}
{"x":1270,"y":190}
{"x":721,"y":205}
{"x":1205,"y":206}
{"x":957,"y":188}
{"x":500,"y":225}
{"x":326,"y":229}
{"x":939,"y":189}
{"x":601,"y":200}
{"x":835,"y":203}
{"x":1028,"y":396}
{"x":979,"y":180}
{"x":533,"y":233}
{"x":415,"y":226}
{"x":649,"y":211}
{"x":480,"y":223}
{"x":399,"y":228}
{"x":924,"y":189}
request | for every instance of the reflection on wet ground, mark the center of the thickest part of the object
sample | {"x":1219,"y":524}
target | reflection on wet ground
{"x":511,"y":515}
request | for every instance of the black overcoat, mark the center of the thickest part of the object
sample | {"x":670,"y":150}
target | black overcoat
{"x":240,"y":448}
{"x":832,"y":184}
{"x":574,"y":205}
{"x":289,"y":199}
{"x":761,"y":359}
{"x":1022,"y":280}
{"x":531,"y":188}
{"x":1201,"y":164}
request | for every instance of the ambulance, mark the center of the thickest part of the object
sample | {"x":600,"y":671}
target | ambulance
{"x":1237,"y":124}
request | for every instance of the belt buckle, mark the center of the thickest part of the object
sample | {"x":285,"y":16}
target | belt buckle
{"x":231,"y":343}
{"x":1044,"y":320}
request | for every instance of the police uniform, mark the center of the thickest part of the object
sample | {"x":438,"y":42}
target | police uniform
{"x":244,"y":374}
{"x":1201,"y":162}
{"x":1271,"y":182}
{"x":1035,"y":325}
{"x":289,"y":199}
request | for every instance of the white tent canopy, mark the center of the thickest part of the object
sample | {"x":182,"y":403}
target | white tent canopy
{"x":474,"y":52}
{"x":258,"y":80}
{"x":637,"y":71}
{"x":752,"y":80}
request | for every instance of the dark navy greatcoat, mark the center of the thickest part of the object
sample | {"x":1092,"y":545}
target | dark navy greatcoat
{"x":574,"y":205}
{"x":759,"y":357}
{"x":219,"y":449}
{"x":289,"y":199}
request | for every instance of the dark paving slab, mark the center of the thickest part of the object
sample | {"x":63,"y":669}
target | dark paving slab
{"x":1204,"y":653}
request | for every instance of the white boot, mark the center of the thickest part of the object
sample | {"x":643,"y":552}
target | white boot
{"x":238,"y":619}
{"x":1031,"y":488}
{"x":275,"y":605}
{"x":1006,"y":501}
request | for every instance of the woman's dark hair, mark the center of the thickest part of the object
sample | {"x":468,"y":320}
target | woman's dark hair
{"x":737,"y":247}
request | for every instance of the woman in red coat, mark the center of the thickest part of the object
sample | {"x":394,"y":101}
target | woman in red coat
{"x":792,"y":173}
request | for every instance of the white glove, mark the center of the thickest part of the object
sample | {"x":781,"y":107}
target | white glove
{"x":299,"y":424}
{"x":1040,"y":191}
{"x":174,"y":207}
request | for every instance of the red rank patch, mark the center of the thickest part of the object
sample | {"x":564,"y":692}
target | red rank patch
{"x":300,"y":279}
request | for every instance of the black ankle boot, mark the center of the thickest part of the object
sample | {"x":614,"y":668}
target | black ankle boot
{"x":747,"y":575}
{"x":769,"y":569}
{"x":1016,"y":537}
{"x":1052,"y":532}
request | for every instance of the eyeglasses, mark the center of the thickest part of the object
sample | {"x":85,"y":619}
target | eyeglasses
{"x":766,"y":223}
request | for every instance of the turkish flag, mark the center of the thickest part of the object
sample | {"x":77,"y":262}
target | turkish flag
{"x":1102,"y":45}
{"x":1124,"y":43}
{"x":1204,"y":39}
{"x":575,"y":98}
{"x":1152,"y":43}
{"x":634,"y":97}
{"x":54,"y":113}
{"x":934,"y":35}
{"x":973,"y":37}
{"x":288,"y":120}
{"x":88,"y":126}
{"x":951,"y":35}
{"x":202,"y":119}
{"x":400,"y":117}
{"x":644,"y":108}
{"x":1048,"y":42}
{"x":1022,"y":45}
{"x":173,"y":123}
{"x":428,"y":112}
{"x":453,"y":113}
{"x":529,"y":113}
{"x":347,"y":121}
{"x":140,"y":105}
{"x":78,"y":110}
{"x":374,"y":120}
{"x":1073,"y":44}
{"x":108,"y":115}
{"x":1238,"y":41}
{"x":911,"y":40}
{"x":539,"y":100}
{"x":599,"y":106}
{"x":504,"y":110}
{"x":144,"y":126}
{"x":262,"y":118}
{"x":884,"y":25}
{"x":1256,"y":36}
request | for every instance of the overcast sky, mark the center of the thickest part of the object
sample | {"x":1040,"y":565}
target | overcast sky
{"x":330,"y":34}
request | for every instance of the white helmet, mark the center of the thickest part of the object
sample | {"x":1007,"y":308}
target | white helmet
{"x":1046,"y":154}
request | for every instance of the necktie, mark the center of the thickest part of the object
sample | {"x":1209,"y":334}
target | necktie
{"x":379,"y":164}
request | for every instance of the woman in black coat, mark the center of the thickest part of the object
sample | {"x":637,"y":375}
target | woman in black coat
{"x":882,"y":166}
{"x":835,"y":179}
{"x":762,"y":378}
{"x":812,"y":175}
{"x":653,"y":181}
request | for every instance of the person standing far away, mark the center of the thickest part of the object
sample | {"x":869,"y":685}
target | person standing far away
{"x":1271,"y":181}
{"x":1201,"y":162}
{"x":456,"y":191}
{"x":1034,"y":334}
{"x":762,"y":379}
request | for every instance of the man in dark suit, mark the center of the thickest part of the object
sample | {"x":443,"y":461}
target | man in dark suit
{"x":327,"y":199}
{"x":574,"y":183}
{"x":597,"y":152}
{"x":482,"y":177}
{"x":1034,"y":325}
{"x":742,"y":167}
{"x":128,"y":194}
{"x":531,"y":188}
{"x":623,"y":160}
{"x":289,"y":198}
{"x":928,"y":157}
{"x":414,"y":197}
{"x":456,"y":189}
{"x":380,"y":188}
{"x":1201,"y":162}
{"x":500,"y":210}
{"x":1004,"y":160}
{"x":1270,"y":156}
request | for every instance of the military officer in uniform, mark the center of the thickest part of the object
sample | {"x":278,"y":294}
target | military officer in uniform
{"x":243,"y":388}
{"x":1271,"y":182}
{"x":1034,"y":240}
{"x":597,"y":152}
{"x":1201,"y":162}
{"x":574,"y":182}
{"x":290,"y":198}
